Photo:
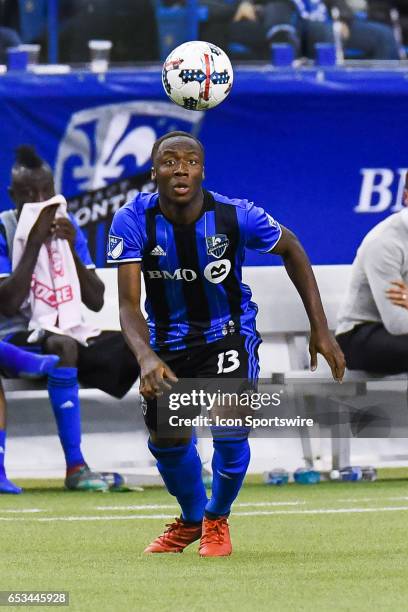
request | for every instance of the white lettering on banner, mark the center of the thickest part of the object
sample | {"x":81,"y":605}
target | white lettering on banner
{"x":179,"y":274}
{"x":381,"y":189}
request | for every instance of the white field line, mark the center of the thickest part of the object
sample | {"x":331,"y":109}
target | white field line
{"x":174,"y":506}
{"x":237,"y":505}
{"x":135,"y":517}
{"x":21,"y":510}
{"x":353,"y":500}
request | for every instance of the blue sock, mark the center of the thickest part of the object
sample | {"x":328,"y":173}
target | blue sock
{"x":180,"y":468}
{"x":2,"y":452}
{"x":230,"y":463}
{"x":64,"y":397}
{"x":18,"y":362}
{"x":6,"y":486}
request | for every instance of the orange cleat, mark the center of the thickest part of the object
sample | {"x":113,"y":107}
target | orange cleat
{"x":177,"y":536}
{"x":215,"y":541}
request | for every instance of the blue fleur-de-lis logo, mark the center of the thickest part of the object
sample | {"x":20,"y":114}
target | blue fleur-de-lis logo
{"x":103,"y":144}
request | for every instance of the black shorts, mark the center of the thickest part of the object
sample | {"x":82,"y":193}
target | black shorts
{"x":233,"y":357}
{"x":107,"y":363}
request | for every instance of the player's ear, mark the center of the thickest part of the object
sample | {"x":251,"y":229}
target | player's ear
{"x":153,"y":174}
{"x":203,"y":173}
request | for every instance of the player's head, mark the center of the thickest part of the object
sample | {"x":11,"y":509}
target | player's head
{"x":178,"y":166}
{"x":31,"y":178}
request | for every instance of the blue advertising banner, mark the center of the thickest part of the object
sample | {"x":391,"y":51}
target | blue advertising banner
{"x":323,"y":152}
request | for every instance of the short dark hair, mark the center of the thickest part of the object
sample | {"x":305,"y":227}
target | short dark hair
{"x":27,"y":157}
{"x":174,"y":135}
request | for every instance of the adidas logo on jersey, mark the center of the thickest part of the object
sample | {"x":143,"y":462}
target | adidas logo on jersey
{"x":67,"y":404}
{"x":158,"y":251}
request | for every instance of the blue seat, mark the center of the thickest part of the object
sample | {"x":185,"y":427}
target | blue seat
{"x":33,"y":19}
{"x":178,"y":24}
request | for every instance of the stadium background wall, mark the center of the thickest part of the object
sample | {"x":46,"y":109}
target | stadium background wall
{"x":323,"y":152}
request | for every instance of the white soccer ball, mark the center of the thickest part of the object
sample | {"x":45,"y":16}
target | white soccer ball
{"x":197,"y":75}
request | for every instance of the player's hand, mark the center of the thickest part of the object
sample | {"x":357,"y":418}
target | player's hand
{"x":155,"y":377}
{"x":345,"y":31}
{"x":323,"y":342}
{"x":63,"y":228}
{"x":398,"y":293}
{"x":42,"y":228}
{"x":245,"y":10}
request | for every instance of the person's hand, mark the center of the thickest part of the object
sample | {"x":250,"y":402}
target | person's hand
{"x":398,"y":294}
{"x":245,"y":10}
{"x":322,"y":341}
{"x":63,"y":228}
{"x":345,"y":31}
{"x":42,"y":228}
{"x":155,"y":377}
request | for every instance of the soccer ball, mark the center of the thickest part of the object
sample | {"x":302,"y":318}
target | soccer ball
{"x":197,"y":75}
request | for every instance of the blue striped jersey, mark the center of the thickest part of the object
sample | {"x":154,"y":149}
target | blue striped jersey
{"x":192,"y":273}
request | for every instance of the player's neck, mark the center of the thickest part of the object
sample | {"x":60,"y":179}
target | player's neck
{"x":182,"y":214}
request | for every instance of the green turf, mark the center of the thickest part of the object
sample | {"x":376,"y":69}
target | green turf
{"x":342,"y":561}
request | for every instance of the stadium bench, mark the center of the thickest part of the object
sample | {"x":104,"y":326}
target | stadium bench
{"x":284,"y":357}
{"x":285,"y":360}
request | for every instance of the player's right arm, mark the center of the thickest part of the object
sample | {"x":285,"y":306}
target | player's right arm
{"x":155,"y":375}
{"x":15,"y":287}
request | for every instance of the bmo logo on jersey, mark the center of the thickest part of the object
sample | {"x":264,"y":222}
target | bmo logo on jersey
{"x":217,"y":271}
{"x":179,"y":274}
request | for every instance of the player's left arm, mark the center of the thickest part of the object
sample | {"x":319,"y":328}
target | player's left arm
{"x":300,"y":272}
{"x":92,"y":288}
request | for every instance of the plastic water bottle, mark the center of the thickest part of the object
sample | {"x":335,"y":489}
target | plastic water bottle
{"x":115,"y":480}
{"x":278,"y":476}
{"x":337,"y":35}
{"x":369,"y":473}
{"x":350,"y":474}
{"x":306,"y":476}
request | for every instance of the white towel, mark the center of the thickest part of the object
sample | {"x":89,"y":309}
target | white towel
{"x":54,"y":302}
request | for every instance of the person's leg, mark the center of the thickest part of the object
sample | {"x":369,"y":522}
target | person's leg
{"x":280,"y":21}
{"x":238,"y":356}
{"x":250,"y":34}
{"x":316,"y":32}
{"x":18,"y":362}
{"x":63,"y":391}
{"x":6,"y":486}
{"x":372,"y":348}
{"x":376,"y":40}
{"x":108,"y":364}
{"x":180,"y":467}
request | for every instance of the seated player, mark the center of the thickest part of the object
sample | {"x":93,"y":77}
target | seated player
{"x":373,"y":319}
{"x":106,"y":362}
{"x":201,"y":321}
{"x":16,"y":362}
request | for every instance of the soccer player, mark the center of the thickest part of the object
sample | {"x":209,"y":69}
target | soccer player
{"x":190,"y":244}
{"x":106,"y":362}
